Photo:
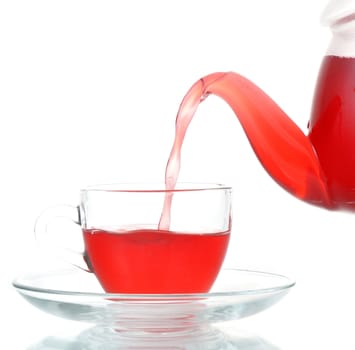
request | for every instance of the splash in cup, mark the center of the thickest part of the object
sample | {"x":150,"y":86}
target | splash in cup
{"x":130,"y":252}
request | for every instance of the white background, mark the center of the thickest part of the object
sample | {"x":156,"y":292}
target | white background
{"x":89,"y":91}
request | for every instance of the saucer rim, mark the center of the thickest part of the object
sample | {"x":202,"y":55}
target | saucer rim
{"x":288,"y":283}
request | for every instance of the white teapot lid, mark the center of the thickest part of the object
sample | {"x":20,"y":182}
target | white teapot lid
{"x":340,"y":16}
{"x":336,"y":10}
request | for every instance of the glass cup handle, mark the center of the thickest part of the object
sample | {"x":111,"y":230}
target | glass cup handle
{"x":53,"y":234}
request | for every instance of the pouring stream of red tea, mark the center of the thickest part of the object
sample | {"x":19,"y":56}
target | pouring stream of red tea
{"x":273,"y":136}
{"x":289,"y":156}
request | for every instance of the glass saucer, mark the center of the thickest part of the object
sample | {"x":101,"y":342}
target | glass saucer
{"x":76,"y":295}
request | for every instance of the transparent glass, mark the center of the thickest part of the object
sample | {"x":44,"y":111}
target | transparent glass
{"x":130,"y":250}
{"x":196,"y":207}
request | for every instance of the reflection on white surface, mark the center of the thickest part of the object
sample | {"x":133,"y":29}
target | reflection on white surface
{"x":97,"y":338}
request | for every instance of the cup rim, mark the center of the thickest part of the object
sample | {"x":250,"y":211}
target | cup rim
{"x":155,"y":187}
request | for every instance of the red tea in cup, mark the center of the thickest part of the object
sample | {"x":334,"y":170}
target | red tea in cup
{"x":155,"y":261}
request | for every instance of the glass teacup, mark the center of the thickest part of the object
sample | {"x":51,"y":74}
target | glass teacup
{"x":129,"y":251}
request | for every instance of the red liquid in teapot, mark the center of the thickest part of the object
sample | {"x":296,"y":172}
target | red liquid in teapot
{"x":332,"y":127}
{"x":155,"y":261}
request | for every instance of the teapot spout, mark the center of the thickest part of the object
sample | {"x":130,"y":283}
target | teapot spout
{"x":279,"y":144}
